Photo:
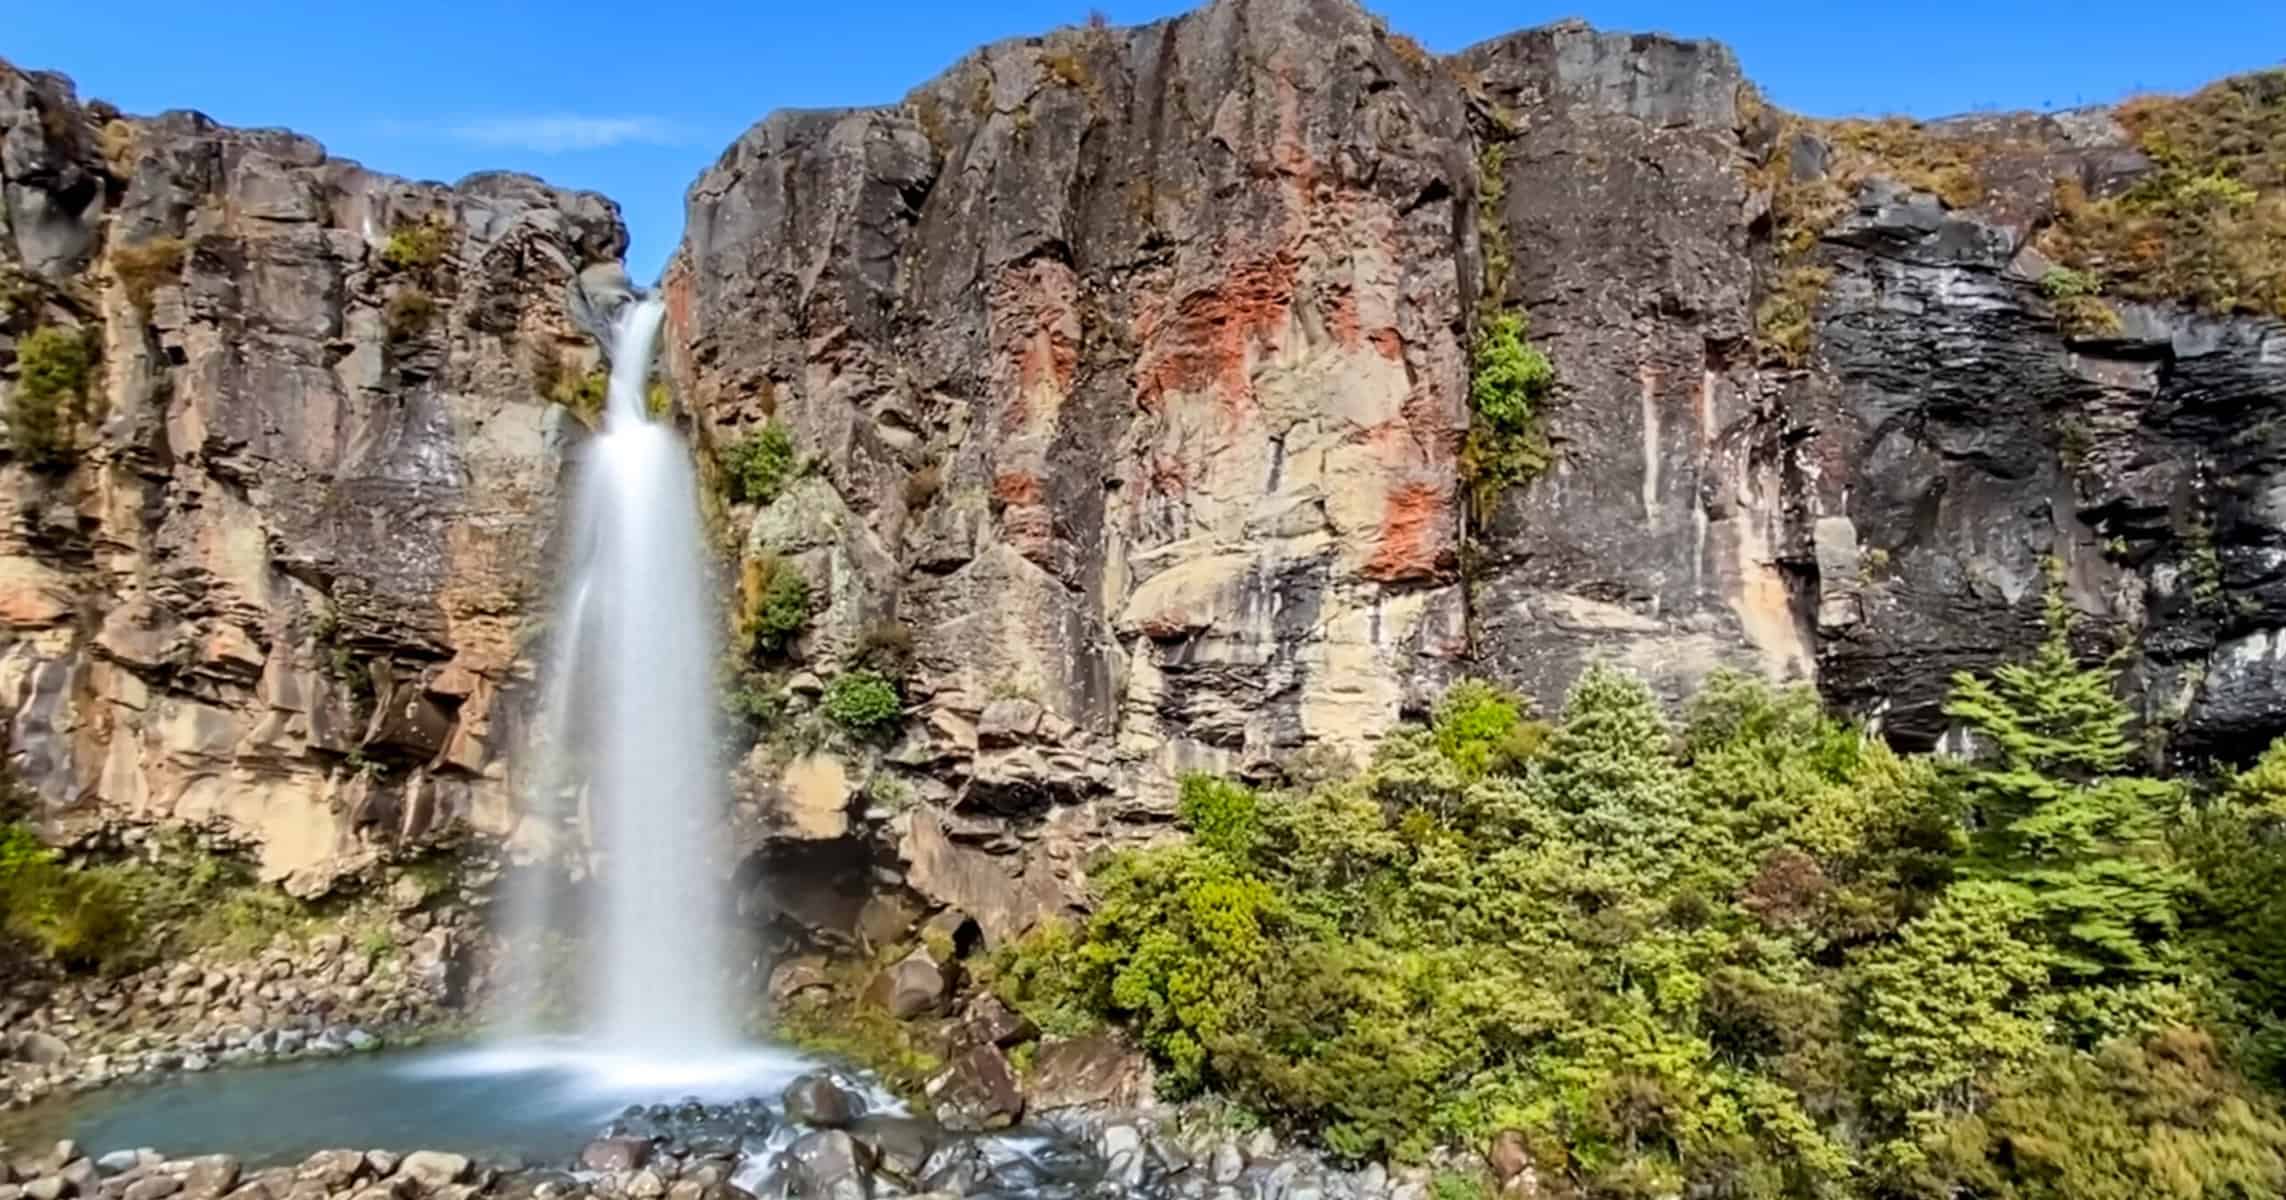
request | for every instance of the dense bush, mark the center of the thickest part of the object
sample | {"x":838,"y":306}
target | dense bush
{"x":863,"y":702}
{"x":416,"y":245}
{"x":55,"y":368}
{"x":117,"y":915}
{"x":756,"y":467}
{"x":1510,"y":381}
{"x":774,"y":605}
{"x":1756,"y":955}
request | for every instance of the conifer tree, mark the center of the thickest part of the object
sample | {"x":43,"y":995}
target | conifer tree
{"x":2062,"y":814}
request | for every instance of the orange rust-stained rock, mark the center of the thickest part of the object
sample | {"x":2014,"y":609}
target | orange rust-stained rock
{"x":1210,"y":341}
{"x":1416,"y":539}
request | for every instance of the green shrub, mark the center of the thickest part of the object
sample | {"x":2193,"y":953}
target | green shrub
{"x":863,"y":702}
{"x":755,"y":468}
{"x":774,"y":604}
{"x":1220,"y":815}
{"x":115,"y":916}
{"x":54,"y":371}
{"x":1510,"y":381}
{"x":1758,"y":955}
{"x":416,"y":245}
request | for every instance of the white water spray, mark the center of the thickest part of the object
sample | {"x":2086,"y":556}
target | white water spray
{"x":627,"y":723}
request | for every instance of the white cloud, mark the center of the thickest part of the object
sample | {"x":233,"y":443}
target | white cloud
{"x":560,"y":134}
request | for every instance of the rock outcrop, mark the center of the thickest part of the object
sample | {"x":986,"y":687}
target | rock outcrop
{"x":277,"y":569}
{"x":1135,"y":368}
{"x":1128,"y":373}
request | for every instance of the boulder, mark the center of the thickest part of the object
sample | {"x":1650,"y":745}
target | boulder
{"x":153,"y":1187}
{"x":977,"y":1092}
{"x":899,"y":1145}
{"x":210,"y":1176}
{"x":992,"y":1023}
{"x":432,"y":1169}
{"x":34,"y":1046}
{"x":817,"y":1101}
{"x":794,"y":977}
{"x":829,"y":1164}
{"x":1097,"y":1070}
{"x":913,"y":986}
{"x":615,"y":1154}
{"x":333,"y":1170}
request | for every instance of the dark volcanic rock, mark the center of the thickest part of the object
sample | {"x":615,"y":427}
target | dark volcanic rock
{"x":816,"y":1100}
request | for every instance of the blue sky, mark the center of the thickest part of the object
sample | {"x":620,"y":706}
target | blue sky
{"x":634,"y":100}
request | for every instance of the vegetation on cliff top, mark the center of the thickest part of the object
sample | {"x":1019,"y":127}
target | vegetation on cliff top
{"x":2207,"y":223}
{"x":1757,"y":955}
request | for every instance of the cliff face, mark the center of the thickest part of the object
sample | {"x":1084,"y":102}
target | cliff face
{"x":265,"y":559}
{"x":1132,"y":369}
{"x":1135,"y":369}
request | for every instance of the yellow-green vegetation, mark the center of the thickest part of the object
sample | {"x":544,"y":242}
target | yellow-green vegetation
{"x":2207,"y":224}
{"x":837,"y":1023}
{"x":142,"y":269}
{"x":118,"y":915}
{"x":2080,"y":307}
{"x":756,"y":467}
{"x":1803,"y":209}
{"x":55,"y":368}
{"x":416,"y":245}
{"x":1755,"y":954}
{"x":581,"y":391}
{"x":1509,"y":383}
{"x":658,"y":399}
{"x":408,"y":313}
{"x":773,"y":605}
{"x":1510,"y":380}
{"x":1784,"y":318}
{"x":864,"y":702}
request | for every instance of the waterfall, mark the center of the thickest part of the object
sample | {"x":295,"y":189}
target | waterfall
{"x":627,"y":722}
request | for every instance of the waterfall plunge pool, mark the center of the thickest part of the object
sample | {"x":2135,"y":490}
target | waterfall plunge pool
{"x":538,"y":1100}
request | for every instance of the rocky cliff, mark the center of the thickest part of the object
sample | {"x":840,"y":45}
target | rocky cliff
{"x":1135,"y":370}
{"x":1135,"y":377}
{"x":280,"y":478}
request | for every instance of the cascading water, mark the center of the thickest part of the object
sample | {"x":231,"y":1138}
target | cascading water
{"x":627,"y":726}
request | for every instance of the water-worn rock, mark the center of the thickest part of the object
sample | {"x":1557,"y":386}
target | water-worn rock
{"x":153,"y":1187}
{"x":913,"y":986}
{"x":832,"y":1165}
{"x":433,"y":1168}
{"x":900,"y":1145}
{"x":615,"y":1154}
{"x":976,"y":1092}
{"x":210,"y":1176}
{"x":817,"y":1101}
